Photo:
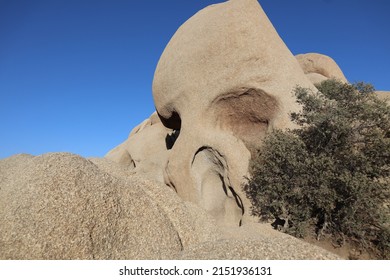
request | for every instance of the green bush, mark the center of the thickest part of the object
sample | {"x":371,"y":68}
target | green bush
{"x":331,"y":174}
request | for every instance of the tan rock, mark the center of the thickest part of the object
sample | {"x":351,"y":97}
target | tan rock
{"x":316,"y":78}
{"x":146,"y":150}
{"x":319,"y":67}
{"x":223,"y":82}
{"x":225,"y":79}
{"x":61,"y":206}
{"x":193,"y":225}
{"x":256,"y":242}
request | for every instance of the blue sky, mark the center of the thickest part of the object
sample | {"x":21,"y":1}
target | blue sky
{"x":76,"y":75}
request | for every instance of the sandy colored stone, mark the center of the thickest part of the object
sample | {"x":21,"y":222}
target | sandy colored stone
{"x":256,"y":249}
{"x":61,"y":206}
{"x":320,"y":67}
{"x":193,"y":224}
{"x":172,"y":190}
{"x":224,"y":80}
{"x":316,"y":78}
{"x":146,"y":150}
{"x":256,"y":242}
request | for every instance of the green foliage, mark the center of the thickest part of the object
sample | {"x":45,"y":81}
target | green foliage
{"x":332,"y":172}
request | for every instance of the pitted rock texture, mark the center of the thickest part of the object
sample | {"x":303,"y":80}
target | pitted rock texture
{"x":62,"y":206}
{"x":245,"y":243}
{"x":191,"y":223}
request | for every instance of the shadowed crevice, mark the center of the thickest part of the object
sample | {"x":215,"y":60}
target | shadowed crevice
{"x":247,"y":112}
{"x":216,"y":193}
{"x":171,"y":138}
{"x":172,"y":122}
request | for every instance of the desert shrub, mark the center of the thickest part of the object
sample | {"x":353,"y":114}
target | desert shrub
{"x":330,"y":174}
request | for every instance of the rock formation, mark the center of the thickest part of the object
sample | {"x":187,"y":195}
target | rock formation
{"x":221,"y":84}
{"x":224,"y":80}
{"x":62,"y":206}
{"x":145,"y":152}
{"x":319,"y":67}
{"x":173,"y":189}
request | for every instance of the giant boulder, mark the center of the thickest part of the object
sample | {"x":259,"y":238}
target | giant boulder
{"x":320,"y":67}
{"x":146,"y":149}
{"x":224,"y":80}
{"x":62,"y":206}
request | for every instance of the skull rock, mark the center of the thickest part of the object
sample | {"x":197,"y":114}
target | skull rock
{"x":320,"y":67}
{"x":224,"y":80}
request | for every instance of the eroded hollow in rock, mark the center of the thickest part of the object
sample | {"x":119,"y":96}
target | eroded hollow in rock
{"x":246,"y":112}
{"x":217,"y":196}
{"x":171,"y":138}
{"x":173,"y":121}
{"x":125,"y":158}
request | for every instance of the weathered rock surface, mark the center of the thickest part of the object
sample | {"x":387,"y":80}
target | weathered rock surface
{"x":172,"y":190}
{"x":146,"y":149}
{"x":62,"y":206}
{"x":224,"y":80}
{"x":320,"y":67}
{"x":191,"y":223}
{"x":245,"y":243}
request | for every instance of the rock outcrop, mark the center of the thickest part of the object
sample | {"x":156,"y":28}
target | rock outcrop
{"x":224,"y":80}
{"x":145,"y":151}
{"x":173,"y":189}
{"x":320,"y":67}
{"x":62,"y":206}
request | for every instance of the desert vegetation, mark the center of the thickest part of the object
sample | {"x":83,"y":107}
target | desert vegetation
{"x":329,"y":177}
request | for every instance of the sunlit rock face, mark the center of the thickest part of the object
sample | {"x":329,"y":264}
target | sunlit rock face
{"x":224,"y":80}
{"x":320,"y":67}
{"x":145,"y":152}
{"x":62,"y":206}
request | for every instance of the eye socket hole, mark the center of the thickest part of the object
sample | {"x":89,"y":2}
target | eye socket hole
{"x":247,"y":113}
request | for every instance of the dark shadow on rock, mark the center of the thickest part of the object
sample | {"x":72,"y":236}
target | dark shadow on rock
{"x":171,"y":138}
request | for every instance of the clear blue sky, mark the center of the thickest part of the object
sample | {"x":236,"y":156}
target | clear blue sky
{"x":76,"y":75}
